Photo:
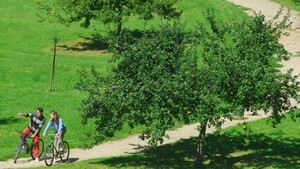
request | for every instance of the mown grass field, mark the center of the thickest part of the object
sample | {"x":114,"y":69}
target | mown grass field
{"x":25,"y":73}
{"x":290,"y":4}
{"x":26,"y":52}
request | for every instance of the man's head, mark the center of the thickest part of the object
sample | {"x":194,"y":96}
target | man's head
{"x":39,"y":112}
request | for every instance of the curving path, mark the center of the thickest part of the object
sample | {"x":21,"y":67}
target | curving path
{"x":133,"y":144}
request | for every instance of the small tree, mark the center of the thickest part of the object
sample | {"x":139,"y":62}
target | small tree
{"x":106,"y":11}
{"x":139,"y":91}
{"x":215,"y":75}
{"x":241,"y":73}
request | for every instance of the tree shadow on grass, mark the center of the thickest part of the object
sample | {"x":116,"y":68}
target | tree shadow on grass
{"x":222,"y":151}
{"x":87,"y":44}
{"x":255,"y":150}
{"x":95,"y":42}
{"x":9,"y":120}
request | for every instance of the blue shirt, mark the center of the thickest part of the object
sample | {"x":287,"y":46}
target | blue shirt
{"x":57,"y":127}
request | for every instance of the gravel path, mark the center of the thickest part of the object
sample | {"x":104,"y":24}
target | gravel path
{"x":269,"y":9}
{"x":133,"y":145}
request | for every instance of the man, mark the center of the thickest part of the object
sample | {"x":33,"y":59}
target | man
{"x":37,"y":120}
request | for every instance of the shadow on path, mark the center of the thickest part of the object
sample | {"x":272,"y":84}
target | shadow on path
{"x":72,"y":160}
{"x":225,"y":150}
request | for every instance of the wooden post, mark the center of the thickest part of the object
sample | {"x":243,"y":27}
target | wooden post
{"x":53,"y":65}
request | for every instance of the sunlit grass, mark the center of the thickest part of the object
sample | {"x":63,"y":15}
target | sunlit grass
{"x":26,"y":53}
{"x":290,"y":4}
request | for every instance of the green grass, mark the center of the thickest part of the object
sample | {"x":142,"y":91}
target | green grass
{"x":26,"y":62}
{"x":263,"y":147}
{"x":290,"y":4}
{"x":222,"y":9}
{"x":297,"y":54}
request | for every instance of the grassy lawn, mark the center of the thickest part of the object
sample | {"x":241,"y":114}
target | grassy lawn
{"x":290,"y":4}
{"x":256,"y":145}
{"x":25,"y":73}
{"x":26,"y":61}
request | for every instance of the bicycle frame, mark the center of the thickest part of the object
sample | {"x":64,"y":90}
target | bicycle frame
{"x":51,"y":151}
{"x":52,"y":143}
{"x":29,"y":147}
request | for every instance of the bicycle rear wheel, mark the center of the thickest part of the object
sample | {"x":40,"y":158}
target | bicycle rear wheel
{"x":19,"y":150}
{"x":41,"y":148}
{"x":64,"y":151}
{"x":49,"y":155}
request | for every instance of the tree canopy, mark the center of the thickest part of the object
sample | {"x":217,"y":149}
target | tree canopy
{"x":203,"y":77}
{"x":106,"y":11}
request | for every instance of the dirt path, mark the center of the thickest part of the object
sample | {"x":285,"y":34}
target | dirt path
{"x":132,"y":144}
{"x":269,"y":9}
{"x":129,"y":145}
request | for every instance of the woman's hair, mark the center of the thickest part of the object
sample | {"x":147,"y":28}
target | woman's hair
{"x":56,"y":117}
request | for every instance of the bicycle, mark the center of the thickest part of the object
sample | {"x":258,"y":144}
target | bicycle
{"x":50,"y":152}
{"x":29,"y":149}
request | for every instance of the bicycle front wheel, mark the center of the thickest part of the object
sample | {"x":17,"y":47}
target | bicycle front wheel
{"x":19,"y":150}
{"x":49,"y":155}
{"x":64,"y":151}
{"x":41,"y":148}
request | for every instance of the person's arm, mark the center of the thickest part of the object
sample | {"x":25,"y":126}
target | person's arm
{"x":47,"y":128}
{"x":60,"y":125}
{"x":34,"y":134}
{"x":38,"y":129}
{"x":24,"y":114}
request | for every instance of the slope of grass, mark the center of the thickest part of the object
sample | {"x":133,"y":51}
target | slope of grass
{"x":290,"y":4}
{"x":26,"y":62}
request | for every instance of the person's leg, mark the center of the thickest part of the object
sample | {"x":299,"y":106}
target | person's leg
{"x":56,"y":144}
{"x":62,"y":135}
{"x":25,"y":132}
{"x":36,"y":146}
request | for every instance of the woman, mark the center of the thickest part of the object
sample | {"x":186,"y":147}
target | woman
{"x":57,"y":124}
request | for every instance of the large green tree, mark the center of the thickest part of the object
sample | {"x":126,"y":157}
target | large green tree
{"x":213,"y":75}
{"x":106,"y":11}
{"x":241,"y":71}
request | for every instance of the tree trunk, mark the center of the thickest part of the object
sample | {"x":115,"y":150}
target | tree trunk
{"x":119,"y":19}
{"x":119,"y":27}
{"x":53,"y":65}
{"x":200,"y":146}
